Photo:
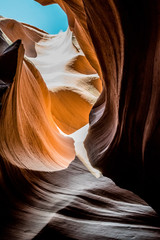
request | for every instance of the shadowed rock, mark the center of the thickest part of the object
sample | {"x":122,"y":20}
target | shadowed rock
{"x":105,"y":73}
{"x":8,"y":64}
{"x":123,"y":139}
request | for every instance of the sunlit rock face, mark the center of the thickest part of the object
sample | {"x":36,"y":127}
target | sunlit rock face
{"x":90,"y":94}
{"x":121,"y":41}
{"x":54,"y":88}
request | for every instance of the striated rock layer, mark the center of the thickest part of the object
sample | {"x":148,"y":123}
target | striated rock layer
{"x":54,"y":88}
{"x":90,"y":94}
{"x":121,"y":41}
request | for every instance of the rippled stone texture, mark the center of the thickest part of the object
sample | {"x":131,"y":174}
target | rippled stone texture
{"x":123,"y":139}
{"x":51,"y":92}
